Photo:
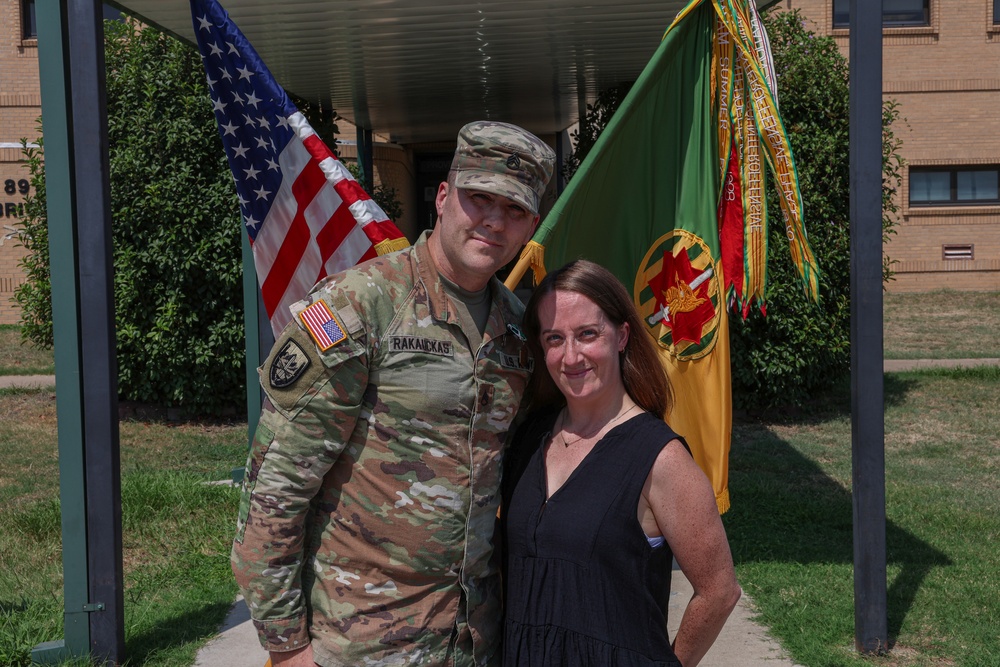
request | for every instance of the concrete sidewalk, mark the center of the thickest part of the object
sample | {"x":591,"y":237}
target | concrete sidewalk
{"x":742,"y":642}
{"x":895,"y":365}
{"x":27,"y":381}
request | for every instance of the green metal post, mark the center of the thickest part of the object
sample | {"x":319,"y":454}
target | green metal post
{"x":251,"y":318}
{"x":65,"y":316}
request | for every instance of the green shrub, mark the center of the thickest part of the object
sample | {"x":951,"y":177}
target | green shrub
{"x":175,"y":227}
{"x":178,"y":271}
{"x":386,"y":197}
{"x":800,"y":348}
{"x":34,"y":295}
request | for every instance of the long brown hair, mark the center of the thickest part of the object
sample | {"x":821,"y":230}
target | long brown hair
{"x":642,"y":373}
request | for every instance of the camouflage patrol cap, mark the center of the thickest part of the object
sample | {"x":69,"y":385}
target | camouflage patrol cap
{"x":505,"y":160}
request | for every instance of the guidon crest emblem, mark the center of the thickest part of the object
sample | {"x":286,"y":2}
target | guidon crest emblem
{"x":677,"y":292}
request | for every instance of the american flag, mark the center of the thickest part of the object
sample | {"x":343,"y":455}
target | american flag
{"x":305,"y":214}
{"x":322,"y":325}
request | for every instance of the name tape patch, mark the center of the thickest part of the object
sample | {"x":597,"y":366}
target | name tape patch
{"x":522,"y":363}
{"x":442,"y":348}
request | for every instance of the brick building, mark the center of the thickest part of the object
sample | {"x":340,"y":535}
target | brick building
{"x":941,"y":62}
{"x":20,"y":107}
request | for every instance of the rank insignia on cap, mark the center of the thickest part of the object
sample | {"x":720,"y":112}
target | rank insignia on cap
{"x":514,"y":162}
{"x":322,"y":325}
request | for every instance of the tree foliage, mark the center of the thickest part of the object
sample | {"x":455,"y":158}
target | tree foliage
{"x":175,"y":227}
{"x":592,"y":124}
{"x":34,"y":295}
{"x":798,"y":348}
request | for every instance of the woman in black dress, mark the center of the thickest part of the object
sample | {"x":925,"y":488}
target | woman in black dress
{"x":600,"y":495}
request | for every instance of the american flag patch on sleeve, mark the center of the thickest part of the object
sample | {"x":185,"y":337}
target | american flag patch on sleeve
{"x":322,"y":325}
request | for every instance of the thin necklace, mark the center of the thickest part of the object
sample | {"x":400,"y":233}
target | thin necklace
{"x":567,"y":443}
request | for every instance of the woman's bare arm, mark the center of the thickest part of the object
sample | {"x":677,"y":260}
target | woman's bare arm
{"x":681,"y":501}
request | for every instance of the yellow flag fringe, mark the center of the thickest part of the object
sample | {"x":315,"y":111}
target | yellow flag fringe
{"x":533,"y":257}
{"x":391,"y":245}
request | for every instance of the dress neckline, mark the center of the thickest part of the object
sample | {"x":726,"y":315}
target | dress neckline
{"x":547,"y":440}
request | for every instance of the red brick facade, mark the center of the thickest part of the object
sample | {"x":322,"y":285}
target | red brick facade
{"x":20,"y":107}
{"x":946,"y":79}
{"x":944,"y":76}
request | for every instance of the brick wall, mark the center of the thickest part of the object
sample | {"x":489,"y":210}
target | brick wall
{"x":947,"y":82}
{"x":944,"y":76}
{"x":20,"y":107}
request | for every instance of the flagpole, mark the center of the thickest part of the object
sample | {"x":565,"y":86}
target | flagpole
{"x":867,"y":391}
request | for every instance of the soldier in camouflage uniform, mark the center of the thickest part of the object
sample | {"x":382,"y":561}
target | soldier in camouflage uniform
{"x":366,"y":525}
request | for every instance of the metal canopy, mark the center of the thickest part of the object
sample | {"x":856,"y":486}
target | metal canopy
{"x":417,"y":70}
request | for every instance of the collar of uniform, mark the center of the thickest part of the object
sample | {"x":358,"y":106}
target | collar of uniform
{"x":436,"y":296}
{"x":510,"y":307}
{"x":507,"y":309}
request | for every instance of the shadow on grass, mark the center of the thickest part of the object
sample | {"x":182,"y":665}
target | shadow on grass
{"x":171,"y":633}
{"x":789,"y":510}
{"x":834,"y":402}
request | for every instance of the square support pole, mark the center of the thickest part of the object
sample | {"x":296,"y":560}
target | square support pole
{"x":81,"y":259}
{"x":259,"y":340}
{"x":91,"y":174}
{"x":867,"y":386}
{"x":56,"y":104}
{"x":366,"y":159}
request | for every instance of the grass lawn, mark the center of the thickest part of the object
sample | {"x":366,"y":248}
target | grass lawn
{"x":791,"y":523}
{"x":17,"y":358}
{"x":942,"y":325}
{"x":790,"y":526}
{"x":176,"y":531}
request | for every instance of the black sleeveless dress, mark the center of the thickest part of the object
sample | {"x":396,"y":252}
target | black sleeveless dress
{"x":582,"y":585}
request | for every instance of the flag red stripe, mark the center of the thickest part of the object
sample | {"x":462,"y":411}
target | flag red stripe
{"x":333,"y":234}
{"x":317,"y":148}
{"x":296,"y":240}
{"x":348,"y":189}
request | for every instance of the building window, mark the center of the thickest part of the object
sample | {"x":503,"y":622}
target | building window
{"x":996,"y":12}
{"x":29,"y":29}
{"x":956,"y":186}
{"x":895,"y":13}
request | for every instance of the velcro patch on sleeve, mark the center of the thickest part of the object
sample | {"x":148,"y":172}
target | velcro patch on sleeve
{"x":288,"y":365}
{"x":324,"y":327}
{"x":441,"y":348}
{"x":522,"y":362}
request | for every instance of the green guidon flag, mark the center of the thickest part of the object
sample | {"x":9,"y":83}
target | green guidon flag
{"x":645,"y":203}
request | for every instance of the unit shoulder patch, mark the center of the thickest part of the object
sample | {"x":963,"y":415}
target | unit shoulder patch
{"x":288,"y":365}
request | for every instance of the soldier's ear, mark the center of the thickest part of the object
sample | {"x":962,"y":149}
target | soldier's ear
{"x":442,"y":194}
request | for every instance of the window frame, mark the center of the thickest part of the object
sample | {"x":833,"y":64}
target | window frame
{"x":29,"y":25}
{"x":953,"y":172}
{"x":845,"y":23}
